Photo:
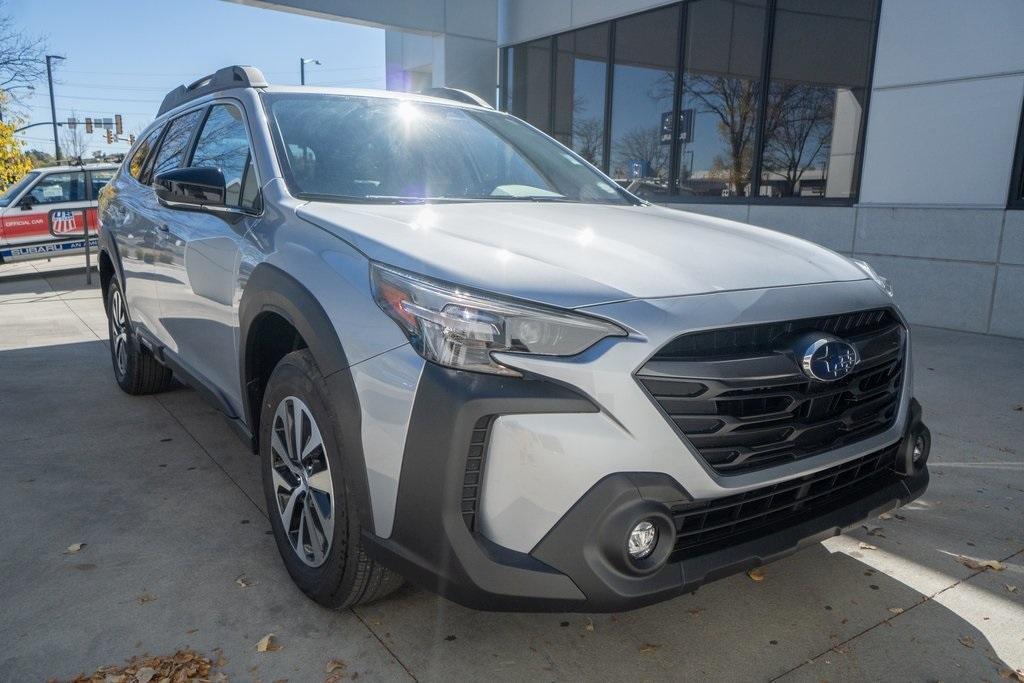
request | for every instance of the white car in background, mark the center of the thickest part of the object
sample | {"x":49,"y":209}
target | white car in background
{"x":46,"y":213}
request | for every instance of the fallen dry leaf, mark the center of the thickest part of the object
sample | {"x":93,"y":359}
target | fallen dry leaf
{"x":74,"y":548}
{"x":885,"y":515}
{"x":967,"y":641}
{"x":244,"y":582}
{"x":648,"y":648}
{"x":589,"y":626}
{"x":183,"y":665}
{"x":144,"y":598}
{"x":755,"y":574}
{"x":867,"y":546}
{"x":335,"y":670}
{"x":972,"y":563}
{"x":267,"y":644}
{"x":694,"y":611}
{"x":874,"y":530}
{"x":1010,"y":674}
{"x":896,"y":610}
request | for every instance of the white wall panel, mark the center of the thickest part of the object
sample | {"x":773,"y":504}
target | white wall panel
{"x":948,"y":143}
{"x":929,"y":40}
{"x":520,"y":20}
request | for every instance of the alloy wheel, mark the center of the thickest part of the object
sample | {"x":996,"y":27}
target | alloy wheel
{"x":303,"y":487}
{"x":119,"y":322}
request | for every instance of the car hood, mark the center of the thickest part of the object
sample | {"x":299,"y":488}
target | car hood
{"x":574,"y":255}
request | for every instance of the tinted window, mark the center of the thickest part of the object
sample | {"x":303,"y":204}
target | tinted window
{"x":718,"y":106}
{"x":224,"y":144}
{"x":14,"y":190}
{"x":529,"y":97}
{"x":581,"y":73}
{"x":59,"y":187}
{"x":100,"y":180}
{"x":175,"y":142}
{"x":820,"y":66}
{"x":643,"y":88}
{"x":138,"y":159}
{"x":386,"y":150}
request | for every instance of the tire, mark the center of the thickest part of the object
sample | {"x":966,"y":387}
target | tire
{"x":312,"y":512}
{"x":137,"y":372}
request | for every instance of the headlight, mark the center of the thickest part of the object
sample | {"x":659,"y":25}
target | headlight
{"x":461,"y":329}
{"x":879,"y":280}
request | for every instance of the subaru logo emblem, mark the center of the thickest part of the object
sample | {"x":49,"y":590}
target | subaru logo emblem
{"x":828,"y":359}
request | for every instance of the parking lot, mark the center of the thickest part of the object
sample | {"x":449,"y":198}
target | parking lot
{"x":177,"y":550}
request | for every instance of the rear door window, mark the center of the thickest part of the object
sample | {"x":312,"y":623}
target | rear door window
{"x":138,"y":160}
{"x":174,"y":146}
{"x":99,"y":179}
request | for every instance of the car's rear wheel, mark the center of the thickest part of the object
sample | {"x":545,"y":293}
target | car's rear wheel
{"x":135,"y":369}
{"x":312,"y":513}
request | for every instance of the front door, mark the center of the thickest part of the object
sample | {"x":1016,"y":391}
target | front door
{"x":197,"y":272}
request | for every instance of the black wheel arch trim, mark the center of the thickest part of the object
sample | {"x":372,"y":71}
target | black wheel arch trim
{"x":269,"y":289}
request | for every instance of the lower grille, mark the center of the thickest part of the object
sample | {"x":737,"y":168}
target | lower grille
{"x":739,"y":397}
{"x":710,"y":525}
{"x":472,"y":480}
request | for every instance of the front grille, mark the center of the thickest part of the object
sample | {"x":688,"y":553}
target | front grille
{"x":739,"y":397}
{"x":472,"y":478}
{"x":707,"y":526}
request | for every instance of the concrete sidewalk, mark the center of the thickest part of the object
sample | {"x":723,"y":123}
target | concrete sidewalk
{"x":168,"y":503}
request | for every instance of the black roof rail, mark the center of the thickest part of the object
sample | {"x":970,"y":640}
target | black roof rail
{"x":221,"y":79}
{"x":457,"y":95}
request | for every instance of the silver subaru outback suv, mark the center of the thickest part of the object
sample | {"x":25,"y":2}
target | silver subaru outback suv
{"x":466,"y":358}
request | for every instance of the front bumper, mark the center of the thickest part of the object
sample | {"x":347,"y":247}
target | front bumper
{"x":580,"y":564}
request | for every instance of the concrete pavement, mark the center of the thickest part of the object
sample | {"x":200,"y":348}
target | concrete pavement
{"x":168,"y":503}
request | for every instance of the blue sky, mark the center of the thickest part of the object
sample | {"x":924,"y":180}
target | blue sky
{"x":123,"y":56}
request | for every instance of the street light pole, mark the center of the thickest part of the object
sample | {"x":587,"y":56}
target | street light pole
{"x":53,"y":106}
{"x":302,"y":68}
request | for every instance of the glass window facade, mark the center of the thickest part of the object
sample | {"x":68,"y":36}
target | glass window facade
{"x":581,"y":84}
{"x":529,"y":84}
{"x":643,"y":87}
{"x":817,"y":95}
{"x":719,"y":99}
{"x":704,"y":99}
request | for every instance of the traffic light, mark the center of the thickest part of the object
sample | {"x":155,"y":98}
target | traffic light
{"x":117,"y":124}
{"x":131,"y":139}
{"x":88,"y":124}
{"x":110,"y":137}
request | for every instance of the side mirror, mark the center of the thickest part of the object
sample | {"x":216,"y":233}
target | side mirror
{"x":27,"y":202}
{"x":198,"y":187}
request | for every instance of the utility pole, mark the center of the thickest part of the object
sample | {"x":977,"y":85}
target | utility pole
{"x":302,"y":68}
{"x":53,"y":107}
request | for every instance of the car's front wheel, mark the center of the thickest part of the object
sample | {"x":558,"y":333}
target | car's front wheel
{"x":311,"y":510}
{"x":135,"y":369}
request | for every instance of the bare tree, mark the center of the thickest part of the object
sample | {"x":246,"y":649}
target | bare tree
{"x":798,"y":130}
{"x":587,"y":138}
{"x":733,"y":101}
{"x":73,"y":141}
{"x":22,"y":61}
{"x":644,"y":145}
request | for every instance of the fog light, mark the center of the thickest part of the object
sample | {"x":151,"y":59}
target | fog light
{"x":642,"y":540}
{"x":919,"y":448}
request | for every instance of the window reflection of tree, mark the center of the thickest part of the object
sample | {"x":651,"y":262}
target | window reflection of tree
{"x":223,"y":145}
{"x":798,"y":131}
{"x":733,"y":102}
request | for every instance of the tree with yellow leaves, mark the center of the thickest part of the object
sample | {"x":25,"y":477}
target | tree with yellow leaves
{"x":14,"y":163}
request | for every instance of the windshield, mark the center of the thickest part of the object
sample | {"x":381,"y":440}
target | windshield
{"x":14,"y":190}
{"x":375,"y":149}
